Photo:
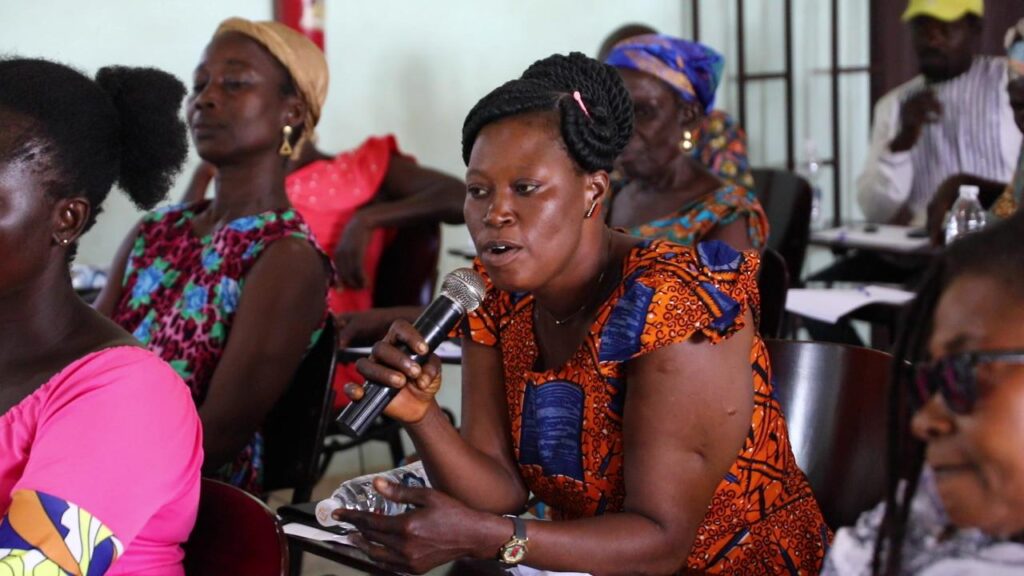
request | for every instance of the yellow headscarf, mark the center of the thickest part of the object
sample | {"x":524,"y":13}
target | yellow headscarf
{"x":303,"y":60}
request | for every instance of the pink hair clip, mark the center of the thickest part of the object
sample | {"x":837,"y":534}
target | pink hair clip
{"x":579,"y":100}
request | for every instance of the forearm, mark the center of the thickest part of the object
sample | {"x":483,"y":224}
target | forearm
{"x":615,"y":543}
{"x":462,"y":471}
{"x":437,"y":203}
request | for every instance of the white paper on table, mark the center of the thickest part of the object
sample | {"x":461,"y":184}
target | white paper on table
{"x":829,"y":305}
{"x":523,"y":570}
{"x":885,"y":237}
{"x":447,"y":350}
{"x":313,"y":533}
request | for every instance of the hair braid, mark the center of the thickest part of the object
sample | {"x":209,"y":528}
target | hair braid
{"x":593,"y":138}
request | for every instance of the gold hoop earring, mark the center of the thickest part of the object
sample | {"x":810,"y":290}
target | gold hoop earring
{"x":590,"y":211}
{"x":686,"y":144}
{"x":286,"y":144}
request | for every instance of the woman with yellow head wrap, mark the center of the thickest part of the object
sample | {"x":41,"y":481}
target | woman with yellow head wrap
{"x":231,"y":291}
{"x":353,"y":200}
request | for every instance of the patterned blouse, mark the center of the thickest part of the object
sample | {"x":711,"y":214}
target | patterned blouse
{"x":722,"y":147}
{"x":1010,"y":200}
{"x":180,"y":293}
{"x":694,"y":221}
{"x":567,"y":422}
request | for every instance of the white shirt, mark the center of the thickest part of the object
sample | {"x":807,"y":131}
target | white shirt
{"x":976,"y":135}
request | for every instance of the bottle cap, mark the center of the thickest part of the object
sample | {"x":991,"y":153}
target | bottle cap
{"x":324,"y":508}
{"x":969,"y":191}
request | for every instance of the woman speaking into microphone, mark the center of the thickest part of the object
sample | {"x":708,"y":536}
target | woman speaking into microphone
{"x":621,"y":381}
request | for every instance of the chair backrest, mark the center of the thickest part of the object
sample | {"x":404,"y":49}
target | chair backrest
{"x":293,"y":432}
{"x":407,"y":272}
{"x":786,"y":199}
{"x":235,"y":533}
{"x":772,"y":283}
{"x":834,"y":400}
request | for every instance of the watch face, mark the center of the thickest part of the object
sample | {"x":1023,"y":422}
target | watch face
{"x":513,"y":553}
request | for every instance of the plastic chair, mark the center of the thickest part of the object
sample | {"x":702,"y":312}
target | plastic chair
{"x":834,"y":400}
{"x":773,"y":284}
{"x":293,"y":432}
{"x":234,"y":533}
{"x":406,"y":276}
{"x":786,"y":199}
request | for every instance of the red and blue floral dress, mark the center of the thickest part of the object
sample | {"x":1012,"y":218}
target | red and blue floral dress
{"x":181,"y":291}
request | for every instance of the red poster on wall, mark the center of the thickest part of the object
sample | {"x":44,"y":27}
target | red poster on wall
{"x":306,"y":16}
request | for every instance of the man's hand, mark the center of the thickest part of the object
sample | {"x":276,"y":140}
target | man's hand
{"x":922,"y":108}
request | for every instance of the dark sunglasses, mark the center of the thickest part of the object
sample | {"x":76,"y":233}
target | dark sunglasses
{"x":954,"y":377}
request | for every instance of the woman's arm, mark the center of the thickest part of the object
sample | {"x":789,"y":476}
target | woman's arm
{"x":410,"y":194}
{"x":688,"y":410}
{"x":282,"y":304}
{"x":476,"y":467}
{"x":734,"y":234}
{"x":110,"y":295}
{"x":200,"y":181}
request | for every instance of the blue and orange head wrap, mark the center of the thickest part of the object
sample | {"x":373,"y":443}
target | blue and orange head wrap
{"x":691,"y":69}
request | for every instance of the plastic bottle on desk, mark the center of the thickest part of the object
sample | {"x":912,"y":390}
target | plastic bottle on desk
{"x":810,"y":170}
{"x":359,"y":494}
{"x":966,"y":216}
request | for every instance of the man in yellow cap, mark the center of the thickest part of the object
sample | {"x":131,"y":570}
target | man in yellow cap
{"x":954,"y":118}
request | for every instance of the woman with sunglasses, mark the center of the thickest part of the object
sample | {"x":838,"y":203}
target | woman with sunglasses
{"x":955,"y":502}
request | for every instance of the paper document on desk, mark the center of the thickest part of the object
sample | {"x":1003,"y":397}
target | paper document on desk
{"x":313,"y":533}
{"x":881,"y":237}
{"x":829,"y":305}
{"x":447,"y":350}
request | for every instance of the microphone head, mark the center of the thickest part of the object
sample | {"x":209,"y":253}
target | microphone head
{"x":465,"y":287}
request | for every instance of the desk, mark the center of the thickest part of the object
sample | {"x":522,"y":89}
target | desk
{"x":449,"y":352}
{"x":874,"y":237}
{"x":354,"y":558}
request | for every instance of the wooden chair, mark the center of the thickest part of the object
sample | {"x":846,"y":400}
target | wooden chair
{"x":772,"y":283}
{"x":786,"y":199}
{"x":834,"y":400}
{"x":293,"y":432}
{"x":235,"y":533}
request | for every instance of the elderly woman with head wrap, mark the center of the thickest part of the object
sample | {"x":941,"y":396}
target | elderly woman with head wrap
{"x":668,"y":193}
{"x":352,"y":201}
{"x":231,"y":292}
{"x":719,"y":143}
{"x":1001,"y":198}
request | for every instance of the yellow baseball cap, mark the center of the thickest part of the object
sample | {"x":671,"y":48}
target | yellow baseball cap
{"x":945,"y":10}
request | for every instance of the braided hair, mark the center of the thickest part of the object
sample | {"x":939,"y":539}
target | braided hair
{"x":86,"y":134}
{"x":995,"y":253}
{"x":593,"y":137}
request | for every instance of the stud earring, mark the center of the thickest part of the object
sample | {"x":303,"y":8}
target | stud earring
{"x":286,"y":144}
{"x":590,"y":211}
{"x":686,"y":144}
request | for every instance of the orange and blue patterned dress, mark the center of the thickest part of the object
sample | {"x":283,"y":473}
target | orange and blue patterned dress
{"x":694,"y":221}
{"x":567,"y":422}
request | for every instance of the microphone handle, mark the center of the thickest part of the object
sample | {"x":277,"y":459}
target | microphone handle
{"x":436,"y":322}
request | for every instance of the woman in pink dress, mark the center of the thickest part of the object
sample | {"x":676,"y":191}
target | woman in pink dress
{"x":82,"y":404}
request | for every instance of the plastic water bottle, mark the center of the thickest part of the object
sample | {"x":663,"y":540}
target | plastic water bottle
{"x":359,"y":494}
{"x":966,"y":216}
{"x":811,"y":171}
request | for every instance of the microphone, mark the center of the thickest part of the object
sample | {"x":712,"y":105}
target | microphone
{"x":462,"y":291}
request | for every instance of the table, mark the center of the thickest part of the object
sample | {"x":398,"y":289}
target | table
{"x":352,"y":557}
{"x":449,"y":352}
{"x":885,"y":238}
{"x":834,"y":304}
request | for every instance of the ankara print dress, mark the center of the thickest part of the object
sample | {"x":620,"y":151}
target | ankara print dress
{"x":567,"y":421}
{"x":181,"y":291}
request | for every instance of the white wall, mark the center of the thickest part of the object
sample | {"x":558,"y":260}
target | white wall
{"x":411,"y":68}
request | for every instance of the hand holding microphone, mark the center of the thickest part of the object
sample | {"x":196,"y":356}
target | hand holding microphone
{"x":402,"y":371}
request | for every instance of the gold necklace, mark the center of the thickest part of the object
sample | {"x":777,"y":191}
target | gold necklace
{"x":589,"y":301}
